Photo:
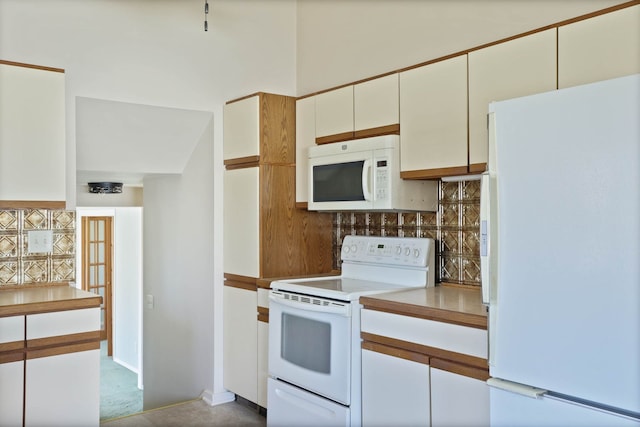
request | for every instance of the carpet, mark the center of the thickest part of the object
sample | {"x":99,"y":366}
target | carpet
{"x":119,"y":393}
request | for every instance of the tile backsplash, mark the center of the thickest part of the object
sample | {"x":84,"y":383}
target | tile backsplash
{"x":17,"y":265}
{"x":455,"y":227}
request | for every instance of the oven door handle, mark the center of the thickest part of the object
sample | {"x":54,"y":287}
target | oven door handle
{"x":333,"y":308}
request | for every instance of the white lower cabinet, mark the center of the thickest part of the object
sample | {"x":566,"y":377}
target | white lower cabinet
{"x":11,"y":370}
{"x":240,"y":340}
{"x":63,"y":390}
{"x":458,"y":400}
{"x":395,"y":391}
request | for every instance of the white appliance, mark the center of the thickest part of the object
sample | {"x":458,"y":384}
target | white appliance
{"x":314,"y":329}
{"x":364,"y":174}
{"x":560,"y":255}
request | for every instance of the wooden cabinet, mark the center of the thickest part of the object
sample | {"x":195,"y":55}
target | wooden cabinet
{"x":518,"y":67}
{"x":240,"y":342}
{"x":11,"y":370}
{"x":264,"y":234}
{"x":433,"y":119}
{"x":395,"y":389}
{"x":599,"y":48}
{"x":432,"y":372}
{"x":32,"y":136}
{"x":305,"y":138}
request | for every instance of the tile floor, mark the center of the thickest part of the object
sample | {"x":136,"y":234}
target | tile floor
{"x":193,"y":413}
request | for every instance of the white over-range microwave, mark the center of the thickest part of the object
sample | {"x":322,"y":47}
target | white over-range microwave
{"x":364,"y":175}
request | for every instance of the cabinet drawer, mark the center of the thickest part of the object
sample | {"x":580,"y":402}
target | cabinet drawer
{"x":445,"y":336}
{"x":11,"y":329}
{"x":62,"y":323}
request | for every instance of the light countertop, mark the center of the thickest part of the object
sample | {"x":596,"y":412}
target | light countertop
{"x":450,"y":304}
{"x":32,"y":300}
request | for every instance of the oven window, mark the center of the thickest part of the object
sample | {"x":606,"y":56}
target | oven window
{"x":338,"y":182}
{"x":306,"y":343}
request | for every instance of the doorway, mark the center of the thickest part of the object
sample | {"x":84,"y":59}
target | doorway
{"x":97,"y":261}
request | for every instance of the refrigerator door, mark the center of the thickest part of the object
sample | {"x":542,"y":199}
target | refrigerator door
{"x":566,"y":316}
{"x":510,"y":409}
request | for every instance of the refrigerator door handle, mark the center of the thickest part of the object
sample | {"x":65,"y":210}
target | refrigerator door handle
{"x":485,"y":237}
{"x":521,"y":389}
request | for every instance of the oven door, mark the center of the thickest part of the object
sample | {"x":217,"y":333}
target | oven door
{"x":310,"y":343}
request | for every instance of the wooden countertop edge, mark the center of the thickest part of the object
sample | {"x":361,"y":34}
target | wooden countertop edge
{"x":423,"y":312}
{"x":21,"y":309}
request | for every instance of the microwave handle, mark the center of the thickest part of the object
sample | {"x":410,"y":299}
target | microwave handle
{"x":366,"y":173}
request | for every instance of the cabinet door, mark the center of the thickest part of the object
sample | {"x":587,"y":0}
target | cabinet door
{"x":11,"y":370}
{"x":241,"y":222}
{"x":63,"y":390}
{"x":242,"y":128}
{"x":395,"y":391}
{"x":599,"y":48}
{"x":240,"y":340}
{"x":334,"y":113}
{"x":515,"y":68}
{"x":32,"y":134}
{"x":63,"y":387}
{"x":263,"y":362}
{"x":305,"y":138}
{"x":376,"y":103}
{"x":433,"y":117}
{"x":457,"y":400}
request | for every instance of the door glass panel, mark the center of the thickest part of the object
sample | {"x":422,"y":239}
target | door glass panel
{"x":338,"y":182}
{"x":100,"y":225}
{"x":306,"y":343}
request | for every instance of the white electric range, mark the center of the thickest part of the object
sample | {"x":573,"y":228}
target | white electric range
{"x":314,"y":329}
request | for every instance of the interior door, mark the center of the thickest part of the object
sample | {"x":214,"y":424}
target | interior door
{"x":97,"y":257}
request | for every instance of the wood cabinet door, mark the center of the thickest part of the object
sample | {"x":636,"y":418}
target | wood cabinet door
{"x":240,"y":342}
{"x":305,"y":138}
{"x":242,"y":128}
{"x":334,"y":113}
{"x":433,"y":117}
{"x":599,"y":48}
{"x":376,"y":103}
{"x":241,"y":222}
{"x":519,"y":67}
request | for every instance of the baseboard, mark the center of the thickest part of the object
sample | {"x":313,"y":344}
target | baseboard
{"x":217,"y":398}
{"x":126,"y":365}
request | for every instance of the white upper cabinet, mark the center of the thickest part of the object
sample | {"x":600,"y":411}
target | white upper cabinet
{"x":32,"y":134}
{"x":518,"y":67}
{"x":334,"y":112}
{"x":376,"y":103}
{"x":242,"y":222}
{"x":242,"y":128}
{"x":305,"y":138}
{"x":433,"y":118}
{"x":599,"y":48}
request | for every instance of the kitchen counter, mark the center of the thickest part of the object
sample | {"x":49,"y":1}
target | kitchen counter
{"x":32,"y":300}
{"x":443,"y":303}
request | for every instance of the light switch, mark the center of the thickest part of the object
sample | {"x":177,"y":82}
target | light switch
{"x":39,"y":241}
{"x":149,"y":301}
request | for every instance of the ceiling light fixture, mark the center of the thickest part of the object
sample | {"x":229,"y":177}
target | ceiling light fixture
{"x":206,"y":12}
{"x":105,"y":187}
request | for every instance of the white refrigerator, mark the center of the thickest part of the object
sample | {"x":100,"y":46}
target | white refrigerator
{"x":560,"y":256}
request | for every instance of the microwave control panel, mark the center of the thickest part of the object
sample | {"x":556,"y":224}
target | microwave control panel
{"x":381,"y":179}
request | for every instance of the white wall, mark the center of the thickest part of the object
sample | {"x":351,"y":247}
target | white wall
{"x":179,"y":276}
{"x":341,"y":41}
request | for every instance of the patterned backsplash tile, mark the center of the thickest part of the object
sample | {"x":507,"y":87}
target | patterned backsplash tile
{"x":455,"y":227}
{"x":17,"y":265}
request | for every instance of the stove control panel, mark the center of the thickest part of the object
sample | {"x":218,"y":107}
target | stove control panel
{"x":405,"y":251}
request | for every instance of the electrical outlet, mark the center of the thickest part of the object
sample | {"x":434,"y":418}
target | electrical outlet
{"x":39,"y":241}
